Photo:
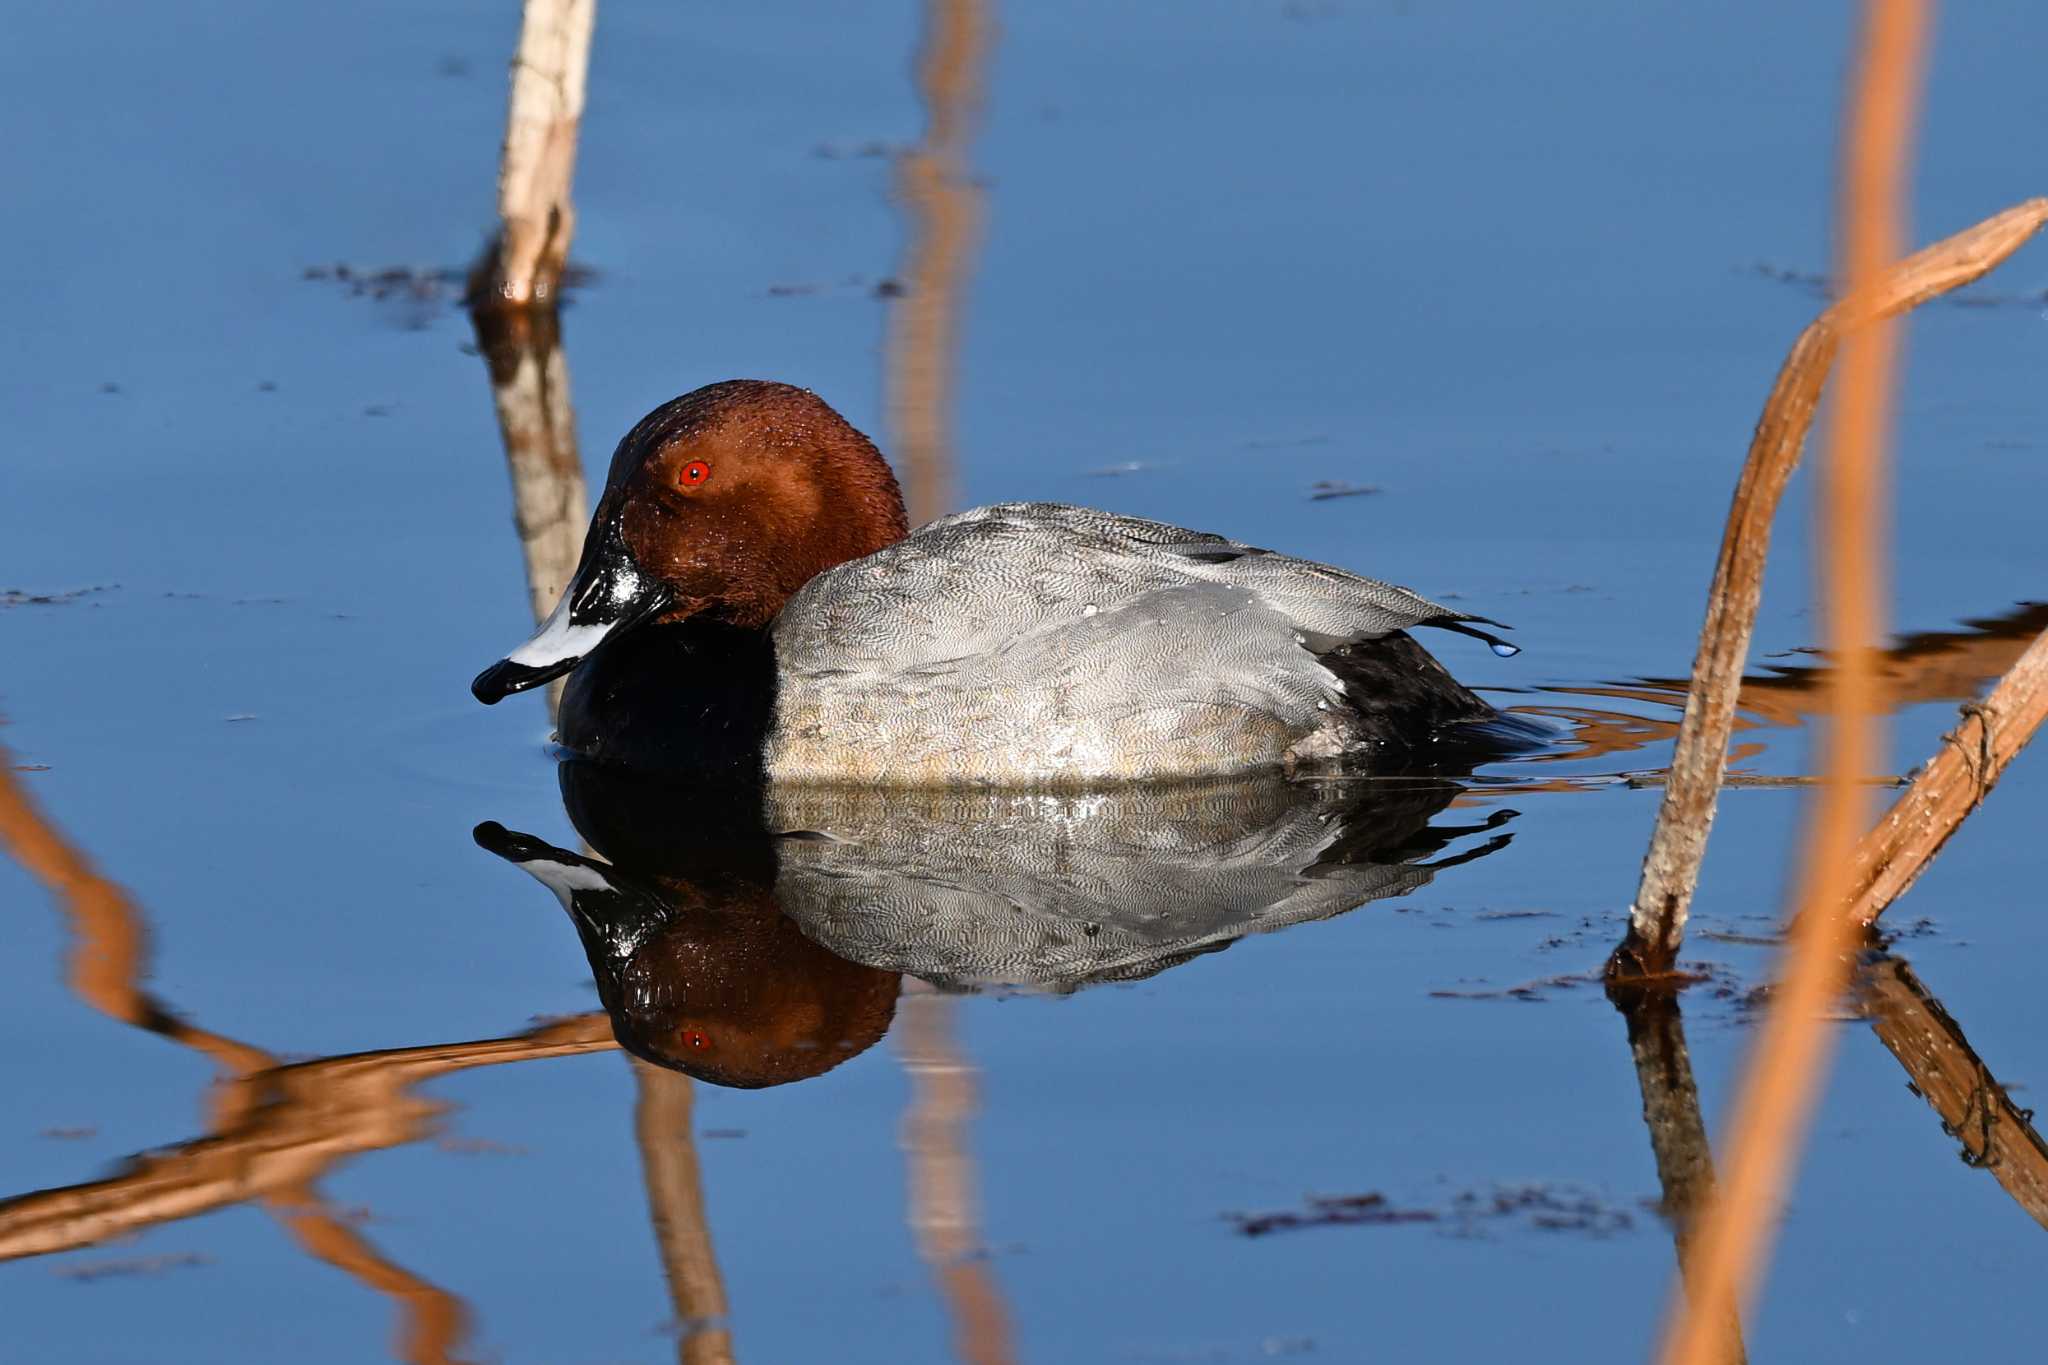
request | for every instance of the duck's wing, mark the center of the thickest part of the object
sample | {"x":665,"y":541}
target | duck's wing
{"x":975,"y":582}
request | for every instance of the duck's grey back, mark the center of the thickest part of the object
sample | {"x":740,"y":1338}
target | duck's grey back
{"x":1035,"y":642}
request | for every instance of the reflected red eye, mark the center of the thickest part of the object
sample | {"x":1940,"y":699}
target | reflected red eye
{"x":694,"y":473}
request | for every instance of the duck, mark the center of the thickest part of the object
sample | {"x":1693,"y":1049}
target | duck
{"x":751,"y":599}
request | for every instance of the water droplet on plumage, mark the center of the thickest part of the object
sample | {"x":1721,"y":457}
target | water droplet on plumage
{"x":1503,"y":648}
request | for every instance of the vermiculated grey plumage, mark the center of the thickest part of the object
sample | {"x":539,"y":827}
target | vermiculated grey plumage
{"x":1036,"y":642}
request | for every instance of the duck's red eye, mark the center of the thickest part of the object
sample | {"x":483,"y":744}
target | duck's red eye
{"x":695,"y":472}
{"x":694,"y":1039}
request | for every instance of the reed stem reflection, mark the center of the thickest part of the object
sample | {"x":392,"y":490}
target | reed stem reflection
{"x":675,"y":1201}
{"x":945,"y":1208}
{"x":275,"y":1128}
{"x":942,"y":212}
{"x":1994,"y":1134}
{"x":1671,"y":1112}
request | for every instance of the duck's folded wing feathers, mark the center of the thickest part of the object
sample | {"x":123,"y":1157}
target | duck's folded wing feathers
{"x":971,"y":583}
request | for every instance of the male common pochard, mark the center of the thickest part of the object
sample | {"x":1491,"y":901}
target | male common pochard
{"x":748,"y":599}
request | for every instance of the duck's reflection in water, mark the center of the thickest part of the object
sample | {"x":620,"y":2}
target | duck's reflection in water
{"x":698,"y":968}
{"x":753,"y":938}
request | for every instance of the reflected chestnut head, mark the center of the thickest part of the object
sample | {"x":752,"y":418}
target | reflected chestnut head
{"x":704,"y":974}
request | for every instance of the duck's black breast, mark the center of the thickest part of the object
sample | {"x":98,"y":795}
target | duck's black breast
{"x":696,"y":696}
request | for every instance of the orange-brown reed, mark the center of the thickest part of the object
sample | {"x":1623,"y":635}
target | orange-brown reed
{"x":1782,"y":1081}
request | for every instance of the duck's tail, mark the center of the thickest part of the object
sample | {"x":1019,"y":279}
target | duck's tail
{"x":1405,"y":702}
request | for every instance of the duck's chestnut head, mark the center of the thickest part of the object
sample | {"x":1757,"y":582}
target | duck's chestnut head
{"x":721,"y":503}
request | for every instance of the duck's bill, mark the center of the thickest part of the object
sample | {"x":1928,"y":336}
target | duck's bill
{"x":561,"y":871}
{"x":606,"y":595}
{"x":612,"y":913}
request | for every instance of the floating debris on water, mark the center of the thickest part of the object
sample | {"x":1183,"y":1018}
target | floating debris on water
{"x":134,"y":1265}
{"x":1325,"y":489}
{"x":1540,"y":1207}
{"x":17,"y":597}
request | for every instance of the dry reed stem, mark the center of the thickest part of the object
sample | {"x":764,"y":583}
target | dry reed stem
{"x":675,"y":1201}
{"x":543,"y":114}
{"x":944,"y":213}
{"x":1782,"y":1081}
{"x":1996,"y":1134}
{"x":1949,"y":786}
{"x":1671,"y":866}
{"x":944,"y":1211}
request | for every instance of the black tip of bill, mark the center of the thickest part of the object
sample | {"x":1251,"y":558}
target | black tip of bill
{"x":508,"y":844}
{"x":505,"y":677}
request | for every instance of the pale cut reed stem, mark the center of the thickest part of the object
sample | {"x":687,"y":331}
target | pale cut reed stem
{"x":543,"y":116}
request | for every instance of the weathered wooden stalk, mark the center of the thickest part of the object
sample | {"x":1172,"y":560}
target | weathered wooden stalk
{"x":543,"y":117}
{"x":1657,"y":916}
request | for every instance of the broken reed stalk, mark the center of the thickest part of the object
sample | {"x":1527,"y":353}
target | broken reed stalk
{"x":943,"y":210}
{"x":1686,"y":816}
{"x":542,"y":117}
{"x":1949,"y":786}
{"x":1781,"y":1083}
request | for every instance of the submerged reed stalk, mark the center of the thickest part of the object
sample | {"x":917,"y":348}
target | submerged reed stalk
{"x":1782,"y":1081}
